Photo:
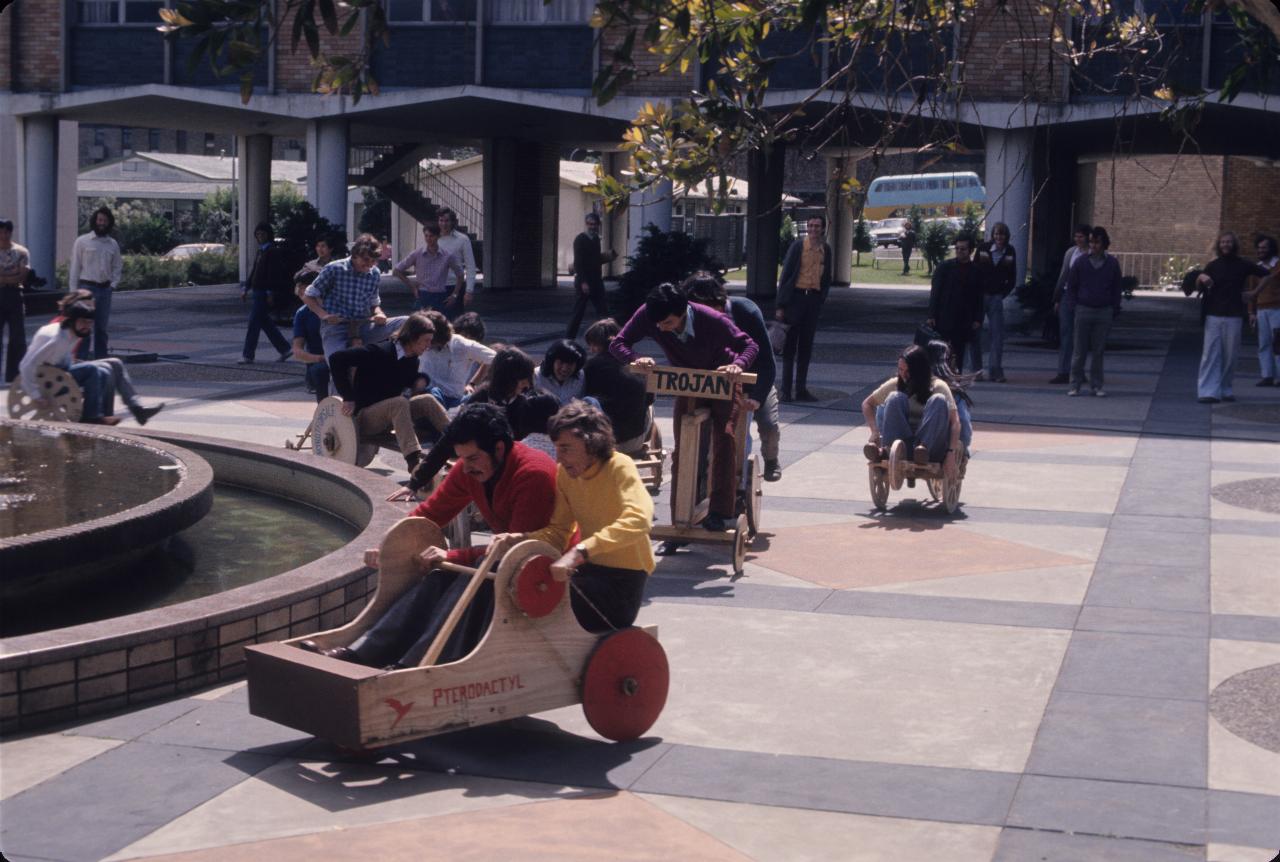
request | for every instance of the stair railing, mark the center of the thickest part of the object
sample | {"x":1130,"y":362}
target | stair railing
{"x":443,"y":190}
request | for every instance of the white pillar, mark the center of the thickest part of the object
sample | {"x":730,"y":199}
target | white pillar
{"x":327,"y":168}
{"x":1009,"y":187}
{"x":839,"y":219}
{"x":68,"y":177}
{"x":253,"y":194}
{"x":36,"y":226}
{"x":650,"y":206}
{"x":10,"y":170}
{"x":613,"y":229}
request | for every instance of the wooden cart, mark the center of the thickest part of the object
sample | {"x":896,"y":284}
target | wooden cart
{"x":66,"y":401}
{"x":534,"y":657}
{"x":898,"y":468}
{"x":697,"y":460}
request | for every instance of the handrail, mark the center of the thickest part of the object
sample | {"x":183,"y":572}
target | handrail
{"x":436,"y":184}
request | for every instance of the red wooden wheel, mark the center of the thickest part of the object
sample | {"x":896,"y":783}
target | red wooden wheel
{"x":533,"y":589}
{"x":625,"y":684}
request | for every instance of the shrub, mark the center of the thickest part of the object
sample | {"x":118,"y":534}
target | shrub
{"x":663,"y":257}
{"x":145,"y":234}
{"x":935,"y":242}
{"x":861,"y":238}
{"x":376,"y":216}
{"x":971,"y":221}
{"x":146,"y":272}
{"x":214,"y":267}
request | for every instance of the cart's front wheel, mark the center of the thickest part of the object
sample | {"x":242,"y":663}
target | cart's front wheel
{"x":879,"y":486}
{"x":625,"y":684}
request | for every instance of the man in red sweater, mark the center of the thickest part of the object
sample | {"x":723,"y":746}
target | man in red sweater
{"x":514,"y":487}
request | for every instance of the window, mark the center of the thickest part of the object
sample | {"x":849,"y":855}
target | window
{"x":99,"y":136}
{"x":932,"y":185}
{"x":182,"y":141}
{"x":126,"y":139}
{"x":208,"y":142}
{"x":153,"y":139}
{"x":120,"y":11}
{"x":539,"y":12}
{"x":433,"y":11}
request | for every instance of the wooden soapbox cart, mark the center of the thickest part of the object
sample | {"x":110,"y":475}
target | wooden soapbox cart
{"x":534,"y":657}
{"x":697,"y":460}
{"x":893,"y":471}
{"x":66,"y":401}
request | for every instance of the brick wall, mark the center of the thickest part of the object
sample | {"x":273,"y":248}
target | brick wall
{"x":649,"y":81}
{"x":1155,"y":203}
{"x":1251,"y":198}
{"x":1005,"y":58}
{"x":294,"y":71}
{"x":6,"y":51}
{"x":37,"y":41}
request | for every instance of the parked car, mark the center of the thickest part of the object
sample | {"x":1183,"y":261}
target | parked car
{"x":191,"y":249}
{"x":887,"y":232}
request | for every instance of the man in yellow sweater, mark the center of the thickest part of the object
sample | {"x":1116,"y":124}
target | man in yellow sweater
{"x":599,"y":492}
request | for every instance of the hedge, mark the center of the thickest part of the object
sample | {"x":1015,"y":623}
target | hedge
{"x":147,"y":272}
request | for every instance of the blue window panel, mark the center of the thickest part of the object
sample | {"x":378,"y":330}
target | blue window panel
{"x":115,"y":57}
{"x":538,"y":57}
{"x":426,"y":56}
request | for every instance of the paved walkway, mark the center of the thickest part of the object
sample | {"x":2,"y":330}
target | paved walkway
{"x":1083,"y":664}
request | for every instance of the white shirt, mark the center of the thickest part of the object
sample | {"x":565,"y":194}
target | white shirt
{"x":450,"y":367}
{"x":95,"y":258}
{"x":459,"y":245}
{"x":51,"y":345}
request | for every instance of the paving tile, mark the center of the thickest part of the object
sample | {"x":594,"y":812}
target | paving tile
{"x":131,"y":725}
{"x":118,"y":797}
{"x":1155,"y":548}
{"x":1244,"y":818}
{"x":1171,"y":588}
{"x":1119,"y":809}
{"x":1122,"y":739}
{"x":822,"y":784}
{"x":227,"y":726}
{"x":745,"y":595}
{"x":1139,"y":665}
{"x":982,"y":611}
{"x":1241,"y":627}
{"x":28,"y":761}
{"x":1148,"y":621}
{"x":1021,"y":845}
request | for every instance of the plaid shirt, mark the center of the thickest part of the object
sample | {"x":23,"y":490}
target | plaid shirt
{"x":345,"y":292}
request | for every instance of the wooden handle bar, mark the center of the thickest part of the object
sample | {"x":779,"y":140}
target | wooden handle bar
{"x":455,"y":614}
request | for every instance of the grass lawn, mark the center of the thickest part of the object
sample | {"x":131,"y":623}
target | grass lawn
{"x":889,"y":272}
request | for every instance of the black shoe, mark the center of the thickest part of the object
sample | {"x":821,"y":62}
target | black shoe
{"x":670,"y":546}
{"x":395,"y":665}
{"x":874,"y":452}
{"x":309,"y":646}
{"x":785,"y":396}
{"x":772,"y":472}
{"x":1207,"y":400}
{"x":806,"y":395}
{"x":1228,"y":398}
{"x":715,"y":523}
{"x":1061,"y":378}
{"x":341,"y":653}
{"x":144,"y":414}
{"x":1266,"y":381}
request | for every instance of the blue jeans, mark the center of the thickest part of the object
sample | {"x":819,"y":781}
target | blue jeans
{"x":1090,"y":340}
{"x":101,"y":315}
{"x":1066,"y":342}
{"x":1268,"y":322}
{"x":96,"y":387}
{"x":448,"y":402}
{"x":431,"y":301}
{"x":933,"y":432}
{"x":337,"y":336}
{"x":1218,"y":359}
{"x":995,"y":320}
{"x":317,"y":375}
{"x":260,"y":321}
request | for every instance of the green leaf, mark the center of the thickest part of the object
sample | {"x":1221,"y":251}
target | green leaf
{"x":328,"y":14}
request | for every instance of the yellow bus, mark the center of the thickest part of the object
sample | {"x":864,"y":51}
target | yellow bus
{"x":936,"y":194}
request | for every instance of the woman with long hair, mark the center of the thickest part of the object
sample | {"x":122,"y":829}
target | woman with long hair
{"x":919,"y":410}
{"x":560,"y":373}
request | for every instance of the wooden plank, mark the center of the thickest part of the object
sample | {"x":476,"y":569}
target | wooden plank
{"x":690,"y":435}
{"x":693,"y":382}
{"x":694,"y":534}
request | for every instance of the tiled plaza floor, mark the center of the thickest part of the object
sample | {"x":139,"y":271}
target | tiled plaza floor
{"x":1082,"y":664}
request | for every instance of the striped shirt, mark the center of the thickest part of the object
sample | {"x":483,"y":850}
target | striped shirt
{"x":345,"y":292}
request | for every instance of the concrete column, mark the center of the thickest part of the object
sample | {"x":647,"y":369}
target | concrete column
{"x":68,"y":175}
{"x":764,"y":220}
{"x":613,"y":227}
{"x":649,"y":207}
{"x":253,"y":193}
{"x":327,"y":168}
{"x":499,"y":211}
{"x":839,"y":219}
{"x":1009,"y":175}
{"x":36,"y":226}
{"x":10,"y":169}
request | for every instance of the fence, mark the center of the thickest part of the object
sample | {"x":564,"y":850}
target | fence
{"x":1154,"y":269}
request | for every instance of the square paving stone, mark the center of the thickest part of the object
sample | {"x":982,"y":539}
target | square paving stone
{"x":1244,"y":818}
{"x":1245,"y":628}
{"x":93,"y":810}
{"x":1113,"y":808}
{"x":1171,"y":588}
{"x":131,"y":725}
{"x":1021,"y":845}
{"x":1122,"y":739}
{"x":1147,"y":621}
{"x":228,"y":726}
{"x":1155,"y":548}
{"x":1138,"y":665}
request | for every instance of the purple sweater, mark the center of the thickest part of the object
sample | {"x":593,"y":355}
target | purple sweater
{"x":715,"y":342}
{"x":1094,"y":288}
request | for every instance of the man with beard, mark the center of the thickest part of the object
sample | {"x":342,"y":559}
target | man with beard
{"x":96,"y":266}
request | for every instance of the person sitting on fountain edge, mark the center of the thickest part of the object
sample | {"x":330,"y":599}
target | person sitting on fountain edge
{"x":514,"y":487}
{"x":599,"y":494}
{"x":694,"y":336}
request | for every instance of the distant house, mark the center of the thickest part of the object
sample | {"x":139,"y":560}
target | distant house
{"x":178,"y":182}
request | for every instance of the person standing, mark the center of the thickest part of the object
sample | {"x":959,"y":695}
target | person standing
{"x":431,"y":263}
{"x":458,"y":244}
{"x":1264,"y":311}
{"x":1223,"y":305}
{"x":1066,"y":311}
{"x":802,"y":289}
{"x":269,"y":271}
{"x":998,"y":265}
{"x":907,"y":242}
{"x":1093,"y":288}
{"x":588,"y":281}
{"x":346,"y":299}
{"x":694,"y":336}
{"x":15,"y":265}
{"x":955,"y":300}
{"x":96,"y":266}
